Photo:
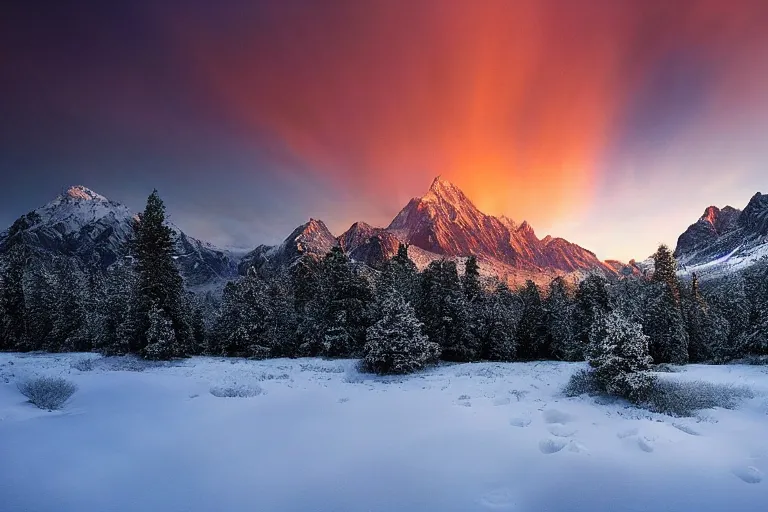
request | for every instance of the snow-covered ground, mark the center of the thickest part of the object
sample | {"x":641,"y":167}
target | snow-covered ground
{"x":318,"y":436}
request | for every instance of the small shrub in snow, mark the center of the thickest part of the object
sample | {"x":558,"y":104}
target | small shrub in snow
{"x":83,"y":365}
{"x":583,"y":382}
{"x":236,"y":391}
{"x":685,"y":398}
{"x":395,"y":344}
{"x":48,"y":393}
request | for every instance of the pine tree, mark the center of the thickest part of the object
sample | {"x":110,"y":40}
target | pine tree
{"x":116,"y":326}
{"x":470,"y":281}
{"x":664,"y":270}
{"x":396,"y":344}
{"x":161,"y":337}
{"x":499,"y":319}
{"x":401,"y":273}
{"x":532,"y":330}
{"x":159,"y":282}
{"x":559,"y":319}
{"x":39,"y":308}
{"x":13,"y":329}
{"x":443,"y":310}
{"x":593,"y":304}
{"x":242,"y":329}
{"x":619,"y":357}
{"x":664,"y":325}
{"x":337,"y":315}
{"x":69,"y":331}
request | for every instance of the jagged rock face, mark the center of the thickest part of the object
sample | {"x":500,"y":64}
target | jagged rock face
{"x":358,"y":234}
{"x":312,"y":239}
{"x":377,"y":250}
{"x":85,"y":225}
{"x":713,"y":224}
{"x":445,"y":222}
{"x":725,"y":240}
{"x":754,"y":218}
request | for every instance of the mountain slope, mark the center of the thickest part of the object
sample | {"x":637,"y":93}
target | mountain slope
{"x":82,"y":224}
{"x":725,"y":239}
{"x":441,"y":223}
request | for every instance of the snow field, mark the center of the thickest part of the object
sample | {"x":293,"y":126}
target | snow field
{"x":312,"y":434}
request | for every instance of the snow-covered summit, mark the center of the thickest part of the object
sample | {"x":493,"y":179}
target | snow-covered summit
{"x":83,"y":193}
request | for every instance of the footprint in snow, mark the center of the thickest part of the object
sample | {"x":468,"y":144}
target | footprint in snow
{"x":520,"y":422}
{"x":556,"y":416}
{"x":502,"y":401}
{"x":627,"y":433}
{"x":559,"y":430}
{"x":343,"y":400}
{"x":550,"y":446}
{"x":748,"y":474}
{"x":645,"y":444}
{"x":499,"y":499}
{"x":577,"y":447}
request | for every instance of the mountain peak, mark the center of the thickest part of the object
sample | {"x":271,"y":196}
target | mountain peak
{"x":79,"y":192}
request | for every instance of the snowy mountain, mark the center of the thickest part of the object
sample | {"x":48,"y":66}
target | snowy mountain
{"x":83,"y":224}
{"x":311,"y":239}
{"x":726,"y":239}
{"x":441,"y":223}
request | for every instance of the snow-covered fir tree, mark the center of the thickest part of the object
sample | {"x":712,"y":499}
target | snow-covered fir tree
{"x":618,"y":355}
{"x":159,"y":281}
{"x":498,"y":321}
{"x":161,"y":336}
{"x":395,"y":344}
{"x":532,"y":342}
{"x":335,"y":318}
{"x":559,"y":317}
{"x":444,"y":312}
{"x":593,"y":304}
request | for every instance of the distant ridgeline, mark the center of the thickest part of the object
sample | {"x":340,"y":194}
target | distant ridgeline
{"x":443,"y":280}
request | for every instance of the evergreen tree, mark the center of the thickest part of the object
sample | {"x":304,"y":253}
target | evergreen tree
{"x":593,"y":304}
{"x":471,"y":280}
{"x":499,"y":319}
{"x":13,"y":326}
{"x":336,"y":317}
{"x":443,"y":310}
{"x":663,"y":321}
{"x":69,"y":330}
{"x":159,"y":282}
{"x":664,"y":325}
{"x":401,"y":274}
{"x":619,"y":357}
{"x":664,"y":270}
{"x":395,"y":344}
{"x":706,"y":329}
{"x":116,"y":325}
{"x":243,"y":328}
{"x":161,"y":336}
{"x":39,"y":308}
{"x":559,"y":319}
{"x":532,"y":330}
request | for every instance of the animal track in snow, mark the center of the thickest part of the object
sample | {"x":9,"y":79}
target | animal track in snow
{"x":645,"y":444}
{"x":520,"y":422}
{"x":627,"y":433}
{"x":748,"y":474}
{"x":549,"y":446}
{"x":555,"y":416}
{"x":685,"y":428}
{"x":502,"y":401}
{"x":499,"y":499}
{"x":561,"y":430}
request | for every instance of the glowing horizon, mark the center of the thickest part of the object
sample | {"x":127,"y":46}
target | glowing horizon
{"x":611,"y":124}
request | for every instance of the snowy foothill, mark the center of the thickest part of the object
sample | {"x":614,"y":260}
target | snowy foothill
{"x":207,"y":434}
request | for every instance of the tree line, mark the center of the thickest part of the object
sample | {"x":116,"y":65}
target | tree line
{"x":395,"y":318}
